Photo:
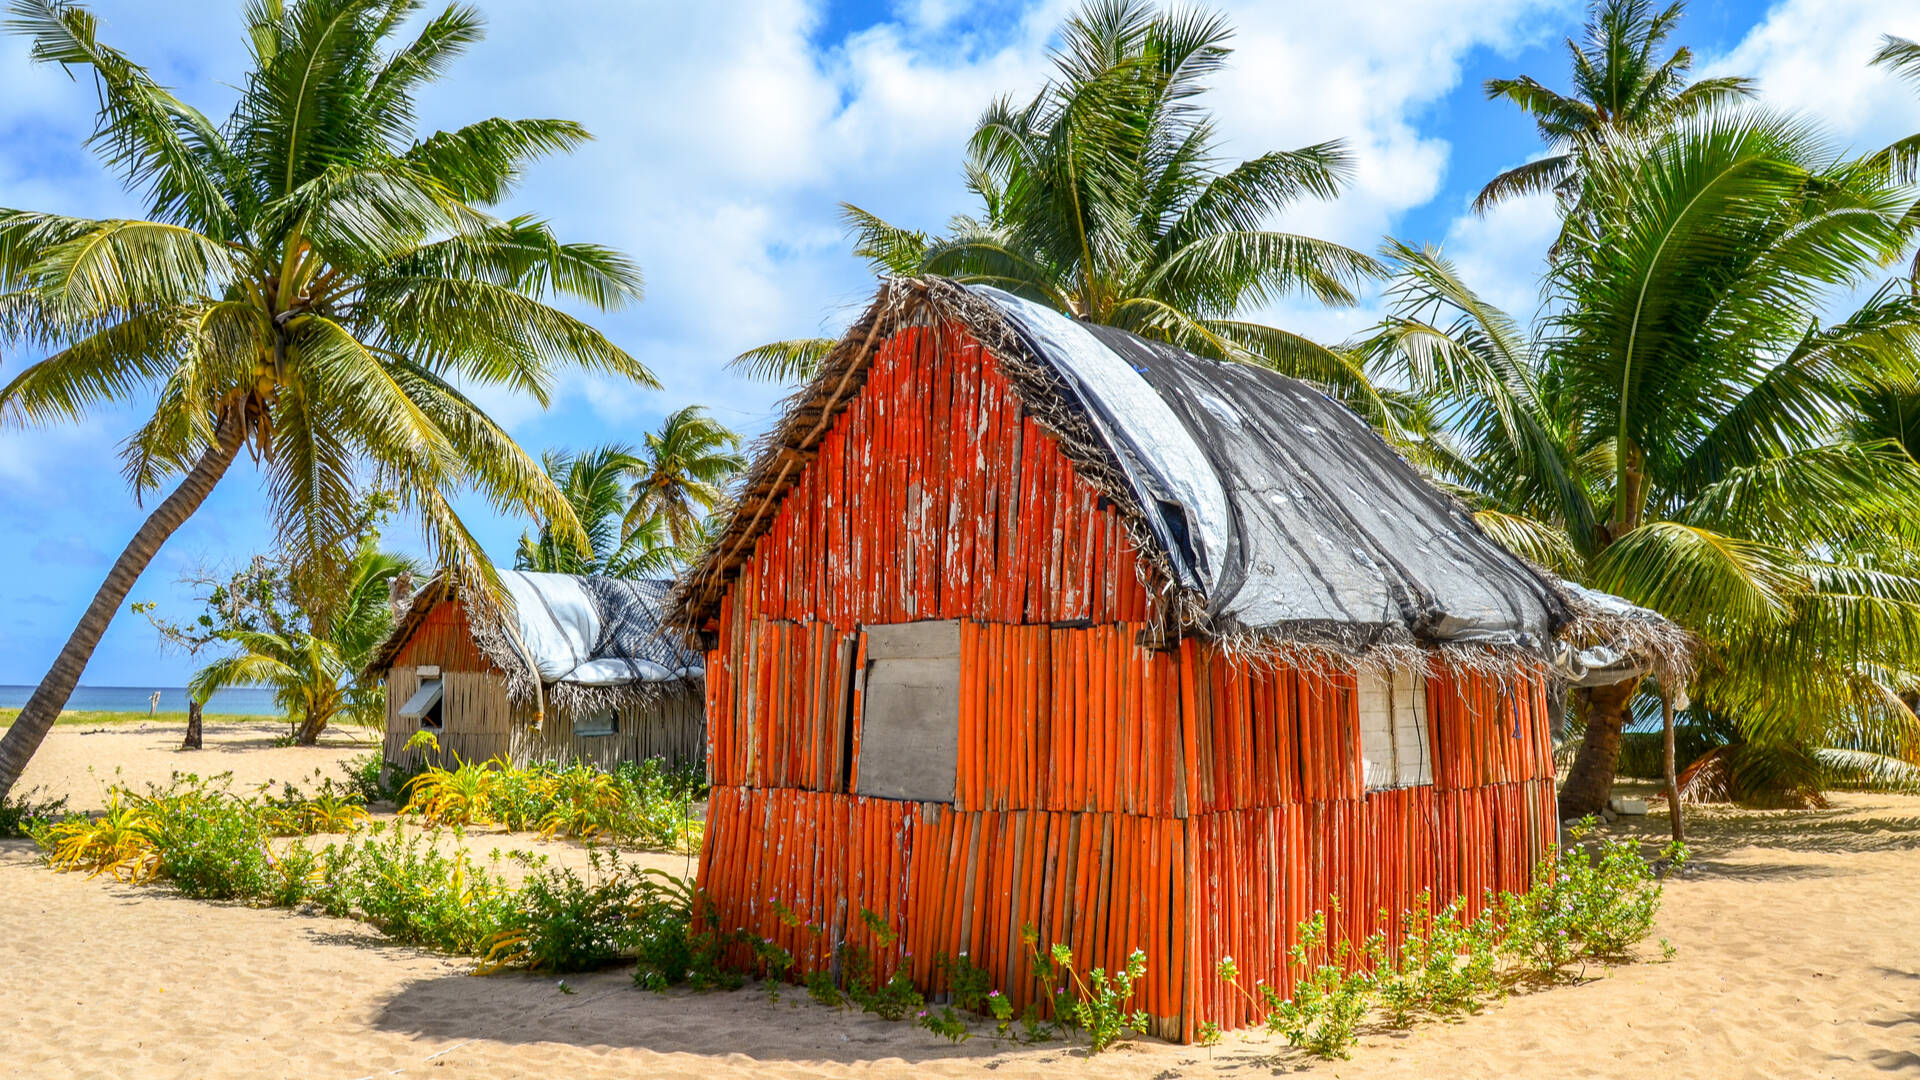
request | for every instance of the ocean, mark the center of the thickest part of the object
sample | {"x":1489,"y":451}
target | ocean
{"x":135,"y":698}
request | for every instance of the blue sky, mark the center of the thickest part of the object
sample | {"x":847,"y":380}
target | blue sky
{"x":730,"y":129}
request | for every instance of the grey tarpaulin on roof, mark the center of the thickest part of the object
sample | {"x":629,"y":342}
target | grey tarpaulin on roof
{"x":1608,"y":663}
{"x":595,"y":631}
{"x":1281,"y":507}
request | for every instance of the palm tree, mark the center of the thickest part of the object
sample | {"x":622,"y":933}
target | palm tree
{"x":1102,"y":197}
{"x":595,"y":485}
{"x":681,"y":476}
{"x":1621,"y":88}
{"x":311,"y":284}
{"x":1679,"y":431}
{"x":314,"y":673}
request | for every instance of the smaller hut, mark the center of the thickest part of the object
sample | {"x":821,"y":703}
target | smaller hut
{"x":578,"y":670}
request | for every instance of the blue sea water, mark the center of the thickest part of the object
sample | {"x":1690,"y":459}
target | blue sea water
{"x":135,"y":699}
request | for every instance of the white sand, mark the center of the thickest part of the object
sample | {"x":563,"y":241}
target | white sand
{"x":1799,"y":942}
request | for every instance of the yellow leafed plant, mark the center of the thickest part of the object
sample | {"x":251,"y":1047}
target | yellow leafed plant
{"x":118,"y":842}
{"x":456,"y":796}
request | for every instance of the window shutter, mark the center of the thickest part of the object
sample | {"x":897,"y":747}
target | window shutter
{"x":910,"y":722}
{"x":1394,"y":744}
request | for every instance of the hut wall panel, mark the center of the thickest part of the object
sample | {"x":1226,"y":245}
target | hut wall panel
{"x":1107,"y":795}
{"x":478,"y":719}
{"x":444,"y":638}
{"x":906,"y":883}
{"x":671,"y":727}
{"x":933,"y":497}
{"x":402,"y":681}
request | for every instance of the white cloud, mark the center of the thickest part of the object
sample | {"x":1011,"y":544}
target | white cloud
{"x":1502,"y":254}
{"x":1811,"y":56}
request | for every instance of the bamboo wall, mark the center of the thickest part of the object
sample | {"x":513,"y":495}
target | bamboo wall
{"x":671,"y":726}
{"x":478,"y":719}
{"x":1110,"y":795}
{"x":481,"y":723}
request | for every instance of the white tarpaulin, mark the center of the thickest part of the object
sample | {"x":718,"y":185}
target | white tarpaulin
{"x":596,"y":631}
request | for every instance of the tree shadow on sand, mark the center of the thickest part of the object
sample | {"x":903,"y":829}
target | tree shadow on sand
{"x":605,"y":1009}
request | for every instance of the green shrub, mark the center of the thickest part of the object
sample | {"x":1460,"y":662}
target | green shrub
{"x":672,"y":946}
{"x":1329,"y":998}
{"x":1587,"y":903}
{"x":967,"y":985}
{"x":946,"y":1023}
{"x":895,"y":999}
{"x":370,"y":777}
{"x":822,"y":988}
{"x":332,"y":809}
{"x":415,"y":894}
{"x":19,"y":813}
{"x":293,"y":876}
{"x":517,"y":799}
{"x":1091,"y":1004}
{"x":1100,"y":1012}
{"x":562,"y":922}
{"x":211,"y":847}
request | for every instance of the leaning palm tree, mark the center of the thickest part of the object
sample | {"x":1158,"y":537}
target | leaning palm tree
{"x":1621,"y":88}
{"x":680,"y":477}
{"x":314,"y":672}
{"x":311,"y":285}
{"x":1679,"y":430}
{"x":1102,"y":197}
{"x":595,"y":485}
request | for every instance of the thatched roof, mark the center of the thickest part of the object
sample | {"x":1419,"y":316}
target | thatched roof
{"x":590,"y":641}
{"x":1269,"y":518}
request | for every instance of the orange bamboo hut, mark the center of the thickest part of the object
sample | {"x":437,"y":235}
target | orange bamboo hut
{"x":1019,"y":621}
{"x":573,"y":669}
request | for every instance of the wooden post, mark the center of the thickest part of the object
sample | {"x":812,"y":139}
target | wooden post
{"x":1673,"y":785}
{"x":193,"y":726}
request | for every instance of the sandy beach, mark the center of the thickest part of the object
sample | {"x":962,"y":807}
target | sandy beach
{"x":1798,"y":939}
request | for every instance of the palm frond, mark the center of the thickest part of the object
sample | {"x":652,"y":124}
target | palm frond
{"x":793,"y":361}
{"x":1701,"y":579}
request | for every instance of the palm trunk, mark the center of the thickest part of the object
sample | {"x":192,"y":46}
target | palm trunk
{"x":310,"y":729}
{"x":43,"y":708}
{"x":1590,"y":781}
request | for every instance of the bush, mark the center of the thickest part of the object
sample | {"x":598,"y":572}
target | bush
{"x":374,"y":781}
{"x":1586,"y":904}
{"x":641,"y":803}
{"x":209,"y":845}
{"x":415,"y":894}
{"x":562,"y":922}
{"x":674,"y":947}
{"x":458,"y":796}
{"x":21,"y":813}
{"x":1329,"y":1000}
{"x":118,"y":842}
{"x":295,"y":813}
{"x":294,"y":876}
{"x":1099,"y":1011}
